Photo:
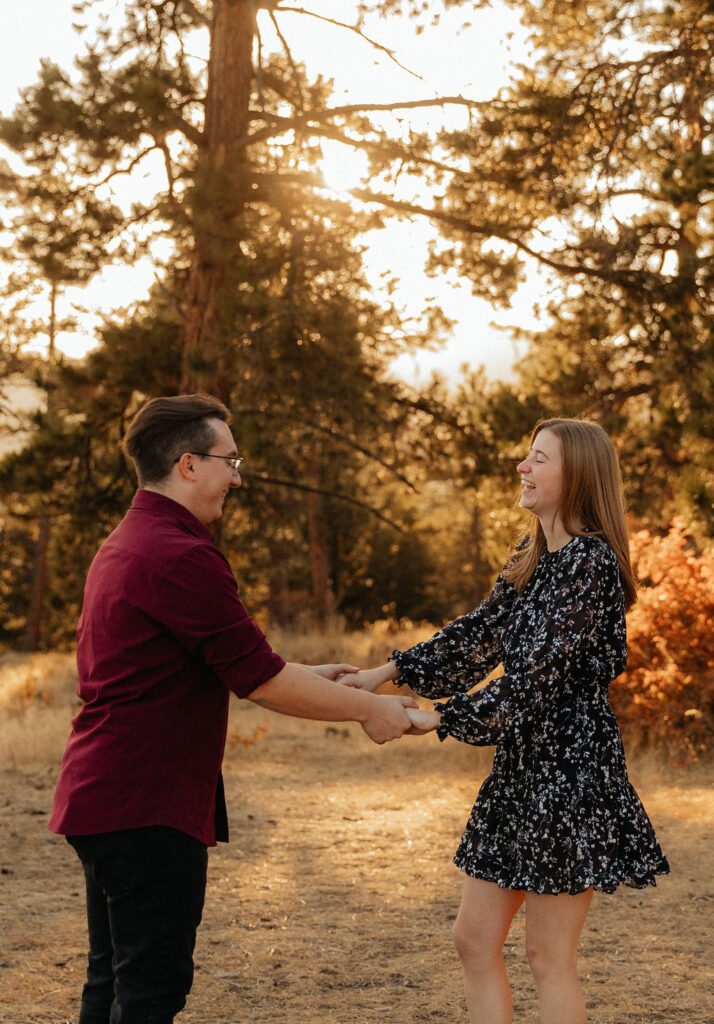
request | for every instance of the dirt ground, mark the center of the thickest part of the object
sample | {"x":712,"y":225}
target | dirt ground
{"x":335,"y":898}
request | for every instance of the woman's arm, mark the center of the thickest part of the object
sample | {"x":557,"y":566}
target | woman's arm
{"x":422,"y":721}
{"x":588,"y":604}
{"x":371,"y":678}
{"x":332,"y":671}
{"x":462,"y":653}
{"x":454,"y":659}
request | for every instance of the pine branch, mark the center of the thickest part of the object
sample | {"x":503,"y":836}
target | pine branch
{"x":261,"y":478}
{"x":393,"y":150}
{"x":178,"y":123}
{"x":115,"y":172}
{"x":310,"y":116}
{"x":436,"y":101}
{"x":488,"y":231}
{"x":615,"y":399}
{"x":291,"y":62}
{"x":351,"y":28}
{"x":332,"y":433}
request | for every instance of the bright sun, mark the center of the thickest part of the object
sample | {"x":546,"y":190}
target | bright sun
{"x":342,"y":167}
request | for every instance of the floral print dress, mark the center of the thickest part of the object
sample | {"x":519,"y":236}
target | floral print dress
{"x":557,"y":814}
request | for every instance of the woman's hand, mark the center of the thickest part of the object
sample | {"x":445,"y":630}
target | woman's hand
{"x":422,"y":721}
{"x":370,"y":678}
{"x":341,"y":671}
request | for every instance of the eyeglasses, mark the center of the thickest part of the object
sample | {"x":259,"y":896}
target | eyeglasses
{"x":233,"y":462}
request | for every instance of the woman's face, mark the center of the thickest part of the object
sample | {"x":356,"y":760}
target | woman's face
{"x":542,"y":476}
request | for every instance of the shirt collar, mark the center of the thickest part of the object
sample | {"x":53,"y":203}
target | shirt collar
{"x":152,"y":501}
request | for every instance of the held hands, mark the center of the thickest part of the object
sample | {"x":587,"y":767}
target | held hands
{"x":369,"y":678}
{"x":343,"y":672}
{"x":388,"y":717}
{"x":385,"y":717}
{"x":422,"y":721}
{"x":419,"y":722}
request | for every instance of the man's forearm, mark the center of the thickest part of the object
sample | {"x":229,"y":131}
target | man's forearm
{"x":300,"y":692}
{"x":297,"y":691}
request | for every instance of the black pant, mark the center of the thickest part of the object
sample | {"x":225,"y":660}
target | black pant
{"x":145,"y":893}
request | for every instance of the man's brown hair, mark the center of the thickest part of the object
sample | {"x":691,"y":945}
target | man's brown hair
{"x":165,"y":428}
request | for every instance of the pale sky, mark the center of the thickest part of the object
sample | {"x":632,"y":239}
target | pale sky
{"x":471,"y":62}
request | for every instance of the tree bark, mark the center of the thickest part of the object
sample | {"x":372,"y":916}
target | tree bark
{"x":33,"y":630}
{"x":39,"y":582}
{"x":323,"y":599}
{"x":51,"y":343}
{"x":220,"y":192}
{"x":281,"y":610}
{"x":476,"y":556}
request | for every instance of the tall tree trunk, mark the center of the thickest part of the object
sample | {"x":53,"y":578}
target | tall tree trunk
{"x":39,"y":582}
{"x":322,"y":594}
{"x":51,"y":343}
{"x":33,"y":630}
{"x":219,"y":194}
{"x":476,"y":555}
{"x":281,"y":610}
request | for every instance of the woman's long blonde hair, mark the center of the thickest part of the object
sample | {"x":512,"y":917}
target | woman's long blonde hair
{"x":592,"y":495}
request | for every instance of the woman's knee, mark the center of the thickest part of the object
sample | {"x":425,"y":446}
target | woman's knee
{"x":545,"y":961}
{"x":482,"y":924}
{"x":475,"y":945}
{"x":553,"y":927}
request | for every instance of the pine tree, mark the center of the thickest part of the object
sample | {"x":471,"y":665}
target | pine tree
{"x":58,"y":240}
{"x":598,"y":165}
{"x":262,"y":300}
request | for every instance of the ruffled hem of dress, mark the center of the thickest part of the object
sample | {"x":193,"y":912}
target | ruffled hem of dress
{"x":604,"y":883}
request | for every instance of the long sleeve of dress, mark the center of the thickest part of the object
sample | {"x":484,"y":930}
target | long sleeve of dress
{"x":569,"y":634}
{"x":462,"y":653}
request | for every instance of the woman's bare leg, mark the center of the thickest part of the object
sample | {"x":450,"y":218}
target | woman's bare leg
{"x":553,"y":927}
{"x":480,"y":930}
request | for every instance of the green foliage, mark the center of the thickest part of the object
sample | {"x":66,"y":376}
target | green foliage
{"x":350,"y":476}
{"x":597,"y":163}
{"x":291,"y":342}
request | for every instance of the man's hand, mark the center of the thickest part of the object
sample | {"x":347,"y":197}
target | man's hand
{"x":387,"y":718}
{"x":299,"y":691}
{"x":422,"y":721}
{"x":334,"y":671}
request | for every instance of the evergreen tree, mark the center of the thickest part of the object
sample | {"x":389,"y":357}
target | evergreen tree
{"x":598,"y":164}
{"x":58,"y":240}
{"x":262,"y":300}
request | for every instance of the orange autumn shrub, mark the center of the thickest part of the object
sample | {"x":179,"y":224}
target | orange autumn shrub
{"x":665,"y":699}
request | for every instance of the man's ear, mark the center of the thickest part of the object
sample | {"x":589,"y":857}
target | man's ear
{"x":186,"y":467}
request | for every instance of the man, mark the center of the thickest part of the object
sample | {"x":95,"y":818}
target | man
{"x":162,"y":640}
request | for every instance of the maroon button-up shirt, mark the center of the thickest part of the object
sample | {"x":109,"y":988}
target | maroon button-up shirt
{"x":162,"y":639}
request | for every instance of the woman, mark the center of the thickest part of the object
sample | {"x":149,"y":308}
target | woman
{"x":557,"y":816}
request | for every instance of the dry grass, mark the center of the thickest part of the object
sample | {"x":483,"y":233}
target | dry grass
{"x":37,"y":701}
{"x":38,"y":691}
{"x":364,"y":648}
{"x":335,"y":898}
